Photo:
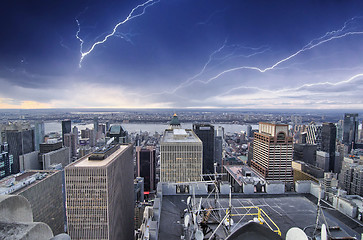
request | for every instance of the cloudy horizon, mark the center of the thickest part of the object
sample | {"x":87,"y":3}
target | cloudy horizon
{"x":181,"y":54}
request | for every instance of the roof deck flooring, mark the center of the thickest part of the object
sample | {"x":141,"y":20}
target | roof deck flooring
{"x":286,"y":211}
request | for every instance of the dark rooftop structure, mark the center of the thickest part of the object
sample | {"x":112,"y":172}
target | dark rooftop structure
{"x":117,"y":132}
{"x":276,"y":213}
{"x":174,"y":121}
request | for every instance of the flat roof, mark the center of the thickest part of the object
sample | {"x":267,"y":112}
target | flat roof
{"x":181,"y":136}
{"x":236,"y":173}
{"x":85,"y":162}
{"x":287,"y":211}
{"x":16,"y":183}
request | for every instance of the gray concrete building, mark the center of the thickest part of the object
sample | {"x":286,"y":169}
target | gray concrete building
{"x":61,"y":155}
{"x":43,"y":190}
{"x":100,"y":195}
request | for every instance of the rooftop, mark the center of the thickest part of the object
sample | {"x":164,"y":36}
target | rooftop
{"x":237,"y":172}
{"x":21,"y":181}
{"x":86,"y":162}
{"x":179,"y":135}
{"x":286,"y":211}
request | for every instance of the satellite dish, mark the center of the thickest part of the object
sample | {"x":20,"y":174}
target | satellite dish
{"x":186,"y":220}
{"x":296,"y":234}
{"x":323,"y":234}
{"x":198,"y":235}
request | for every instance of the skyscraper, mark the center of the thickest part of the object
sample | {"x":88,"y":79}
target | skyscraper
{"x":205,"y":132}
{"x":146,"y":166}
{"x":181,"y":153}
{"x":75,"y":132}
{"x":350,"y":130}
{"x":66,"y":128}
{"x":70,"y":141}
{"x":314,"y":135}
{"x":6,"y":160}
{"x":272,"y":152}
{"x":328,"y":139}
{"x":39,"y":134}
{"x":20,"y":142}
{"x":95,"y":124}
{"x":100,"y":195}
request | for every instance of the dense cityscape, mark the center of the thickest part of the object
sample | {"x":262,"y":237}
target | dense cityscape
{"x":181,"y":120}
{"x":63,"y":167}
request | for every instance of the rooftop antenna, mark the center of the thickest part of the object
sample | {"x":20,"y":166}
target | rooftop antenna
{"x":320,"y":212}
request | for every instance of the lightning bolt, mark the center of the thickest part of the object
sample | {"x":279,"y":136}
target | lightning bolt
{"x":131,"y":16}
{"x":349,"y":80}
{"x":327,"y":37}
{"x":223,"y":59}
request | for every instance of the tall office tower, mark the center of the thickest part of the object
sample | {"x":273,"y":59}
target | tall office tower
{"x":107,"y":126}
{"x":95,"y":124}
{"x":117,"y":132}
{"x":181,"y":156}
{"x":340,"y":126}
{"x":6,"y":160}
{"x":66,"y":128}
{"x":205,"y":132}
{"x":20,"y":143}
{"x":272,"y":152}
{"x":88,"y":133}
{"x":100,"y":195}
{"x":314,"y":135}
{"x":70,"y":141}
{"x":305,"y":153}
{"x":248,"y":131}
{"x":39,"y":134}
{"x":350,"y":130}
{"x":146,"y":166}
{"x":75,"y":132}
{"x":328,"y":139}
{"x":351,"y":176}
{"x":218,"y":151}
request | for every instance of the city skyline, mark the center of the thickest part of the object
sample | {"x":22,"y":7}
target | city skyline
{"x":181,"y":54}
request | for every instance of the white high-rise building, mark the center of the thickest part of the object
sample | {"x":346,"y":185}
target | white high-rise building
{"x":181,"y":153}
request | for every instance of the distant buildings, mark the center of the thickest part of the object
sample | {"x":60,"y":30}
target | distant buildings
{"x":6,"y":160}
{"x":117,"y":132}
{"x":70,"y":140}
{"x":205,"y":132}
{"x":272,"y":152}
{"x":100,"y":195}
{"x":87,"y":134}
{"x":39,"y":134}
{"x":20,"y":142}
{"x":350,"y":129}
{"x":66,"y":128}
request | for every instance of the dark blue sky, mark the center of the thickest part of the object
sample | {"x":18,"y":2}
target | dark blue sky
{"x":182,"y":53}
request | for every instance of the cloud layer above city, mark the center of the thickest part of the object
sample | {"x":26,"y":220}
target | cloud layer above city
{"x":181,"y":54}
